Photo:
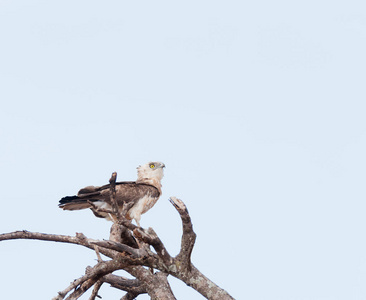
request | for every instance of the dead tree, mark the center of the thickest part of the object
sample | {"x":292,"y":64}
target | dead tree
{"x":138,"y":251}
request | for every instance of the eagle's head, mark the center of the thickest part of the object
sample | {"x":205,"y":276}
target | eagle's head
{"x":150,"y":171}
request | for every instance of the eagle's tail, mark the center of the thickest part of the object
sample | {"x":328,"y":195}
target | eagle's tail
{"x":75,"y":203}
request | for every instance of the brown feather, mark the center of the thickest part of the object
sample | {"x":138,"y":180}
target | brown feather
{"x":76,"y":205}
{"x":126,"y":192}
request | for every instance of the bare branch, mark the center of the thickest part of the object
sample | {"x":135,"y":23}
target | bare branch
{"x":157,"y":285}
{"x":61,"y":295}
{"x":129,"y":296}
{"x":203,"y":285}
{"x":121,"y":234}
{"x":152,"y":239}
{"x":112,"y":187}
{"x":82,"y":289}
{"x":127,"y":223}
{"x":124,"y":249}
{"x":79,"y":239}
{"x":188,"y":237}
{"x":134,"y":287}
{"x":183,"y":268}
{"x":92,"y":274}
{"x":98,"y":253}
{"x":96,"y":288}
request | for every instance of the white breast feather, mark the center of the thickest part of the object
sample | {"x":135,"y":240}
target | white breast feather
{"x":142,"y":206}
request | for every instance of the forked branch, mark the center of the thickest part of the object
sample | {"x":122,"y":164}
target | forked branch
{"x":92,"y":275}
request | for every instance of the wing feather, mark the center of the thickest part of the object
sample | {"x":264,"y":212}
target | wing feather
{"x":126,"y":192}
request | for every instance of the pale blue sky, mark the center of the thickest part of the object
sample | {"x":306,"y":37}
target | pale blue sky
{"x":256,"y":108}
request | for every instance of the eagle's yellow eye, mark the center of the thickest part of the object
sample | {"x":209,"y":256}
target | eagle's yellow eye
{"x":152,"y":166}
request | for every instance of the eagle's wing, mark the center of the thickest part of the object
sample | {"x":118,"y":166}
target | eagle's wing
{"x":126,"y":192}
{"x":129,"y":192}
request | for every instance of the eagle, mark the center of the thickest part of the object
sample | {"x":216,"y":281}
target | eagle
{"x":137,"y":196}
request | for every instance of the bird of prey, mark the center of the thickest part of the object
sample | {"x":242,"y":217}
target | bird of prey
{"x":136,"y":197}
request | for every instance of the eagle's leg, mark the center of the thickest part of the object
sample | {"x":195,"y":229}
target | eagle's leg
{"x":126,"y":207}
{"x":137,"y":219}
